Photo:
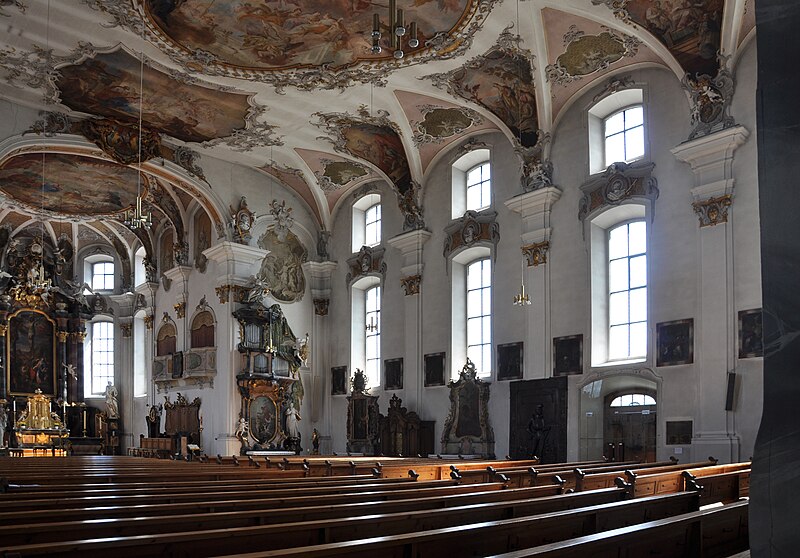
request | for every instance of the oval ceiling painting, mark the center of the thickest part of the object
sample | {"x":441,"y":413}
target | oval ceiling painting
{"x":74,"y":185}
{"x":297,"y":33}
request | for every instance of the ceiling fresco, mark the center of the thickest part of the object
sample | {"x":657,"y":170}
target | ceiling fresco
{"x":79,"y":186}
{"x":501,"y":81}
{"x":108,"y":85}
{"x":215,"y":69}
{"x":437,"y":124}
{"x":690,"y":29}
{"x":294,"y":33}
{"x":373,"y":139}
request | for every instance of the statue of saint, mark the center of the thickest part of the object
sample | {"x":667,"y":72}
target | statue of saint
{"x":538,"y":432}
{"x":315,"y":442}
{"x":112,"y":407}
{"x":292,"y":420}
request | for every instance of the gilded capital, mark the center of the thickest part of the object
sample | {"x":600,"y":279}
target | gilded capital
{"x":411,"y":284}
{"x":713,"y":211}
{"x":321,"y":306}
{"x":536,"y":254}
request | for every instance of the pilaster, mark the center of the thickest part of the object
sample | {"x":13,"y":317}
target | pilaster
{"x":319,"y":274}
{"x":410,"y":245}
{"x":535,"y":207}
{"x":711,"y":160}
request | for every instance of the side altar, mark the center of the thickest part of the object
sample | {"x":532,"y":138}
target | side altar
{"x":269,"y":381}
{"x":39,"y":426}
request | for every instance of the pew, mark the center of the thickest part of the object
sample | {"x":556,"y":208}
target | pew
{"x":713,"y":533}
{"x":435,"y":533}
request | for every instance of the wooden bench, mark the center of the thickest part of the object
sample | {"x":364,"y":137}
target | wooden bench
{"x":498,"y":504}
{"x":714,"y":533}
{"x":434,"y":533}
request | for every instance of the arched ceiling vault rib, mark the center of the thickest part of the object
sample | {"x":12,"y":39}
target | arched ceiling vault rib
{"x":407,"y":138}
{"x":543,"y":87}
{"x":732,"y":16}
{"x":323,"y":211}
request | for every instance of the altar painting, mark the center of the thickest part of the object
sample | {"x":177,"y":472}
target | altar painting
{"x":31,"y":353}
{"x":263,"y":419}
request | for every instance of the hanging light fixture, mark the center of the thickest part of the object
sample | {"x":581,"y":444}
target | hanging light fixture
{"x":522,"y":298}
{"x":136,"y":218}
{"x":397,"y":30}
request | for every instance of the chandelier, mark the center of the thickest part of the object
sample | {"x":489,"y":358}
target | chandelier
{"x":397,"y":30}
{"x":522,"y":298}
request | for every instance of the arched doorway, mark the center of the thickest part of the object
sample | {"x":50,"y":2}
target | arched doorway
{"x":618,"y":417}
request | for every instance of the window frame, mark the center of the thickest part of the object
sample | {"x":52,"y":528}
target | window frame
{"x":91,"y":363}
{"x":628,"y":257}
{"x":358,"y":323}
{"x":359,"y":220}
{"x":484,"y":185}
{"x":459,"y":170}
{"x":482,"y":316}
{"x":373,"y":239}
{"x":605,"y":108}
{"x":624,"y":133}
{"x":374,"y":376}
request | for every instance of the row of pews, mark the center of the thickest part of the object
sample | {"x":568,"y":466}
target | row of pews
{"x":354,"y":507}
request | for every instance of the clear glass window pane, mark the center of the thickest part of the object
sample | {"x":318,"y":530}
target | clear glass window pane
{"x":618,"y":342}
{"x":638,"y":305}
{"x":474,"y":305}
{"x":618,"y":243}
{"x":634,"y":117}
{"x":478,"y":187}
{"x":648,"y":400}
{"x":473,"y":276}
{"x":474,"y":334}
{"x":486,"y":364}
{"x":618,"y":308}
{"x":486,"y":275}
{"x":473,"y":197}
{"x":372,"y":225}
{"x":638,"y":271}
{"x":615,"y":124}
{"x":637,"y":238}
{"x":486,"y":308}
{"x":474,"y":176}
{"x":615,"y":148}
{"x":618,"y":275}
{"x":638,"y":341}
{"x":634,"y":143}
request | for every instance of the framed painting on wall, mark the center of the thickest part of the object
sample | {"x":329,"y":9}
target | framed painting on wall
{"x":393,"y":371}
{"x":339,"y":380}
{"x":434,"y":369}
{"x":751,"y":343}
{"x":675,"y":342}
{"x":31,"y":353}
{"x":509,"y":361}
{"x":568,"y":355}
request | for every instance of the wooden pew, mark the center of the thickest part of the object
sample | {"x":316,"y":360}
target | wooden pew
{"x":527,"y":501}
{"x":713,"y":533}
{"x":43,"y":512}
{"x":592,"y":480}
{"x":434,"y":534}
{"x":647,"y":484}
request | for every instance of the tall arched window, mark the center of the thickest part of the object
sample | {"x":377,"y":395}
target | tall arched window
{"x":101,"y":360}
{"x":479,"y":187}
{"x":372,"y":225}
{"x":479,"y":315}
{"x":617,"y":129}
{"x":372,"y":326}
{"x":471,"y":182}
{"x":367,"y":222}
{"x":627,"y":288}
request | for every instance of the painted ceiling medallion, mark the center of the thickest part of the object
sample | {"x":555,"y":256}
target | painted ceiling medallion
{"x":337,"y":174}
{"x":587,"y":54}
{"x":108,"y":85}
{"x":501,"y":80}
{"x":440,"y":123}
{"x":288,"y":42}
{"x":690,"y":30}
{"x":77,"y":186}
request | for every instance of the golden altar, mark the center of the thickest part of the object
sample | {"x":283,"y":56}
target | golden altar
{"x":39,"y":426}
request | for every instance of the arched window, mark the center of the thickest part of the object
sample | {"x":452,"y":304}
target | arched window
{"x":627,"y":291}
{"x":632,"y":399}
{"x":617,"y":129}
{"x":372,"y":326}
{"x":479,"y":187}
{"x":101,"y":361}
{"x":619,"y":285}
{"x":479,"y":315}
{"x":624,"y":135}
{"x":365,"y":328}
{"x":367,"y":222}
{"x":471,"y":182}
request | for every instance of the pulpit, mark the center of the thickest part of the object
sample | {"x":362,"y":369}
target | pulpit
{"x":38,"y":426}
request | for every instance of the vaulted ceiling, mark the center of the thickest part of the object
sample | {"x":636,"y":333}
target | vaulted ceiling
{"x":292,"y":88}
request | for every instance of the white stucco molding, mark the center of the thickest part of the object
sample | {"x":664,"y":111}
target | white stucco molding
{"x":235,"y":262}
{"x":711,"y":160}
{"x":535,"y":207}
{"x":410,"y":245}
{"x":319,"y":274}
